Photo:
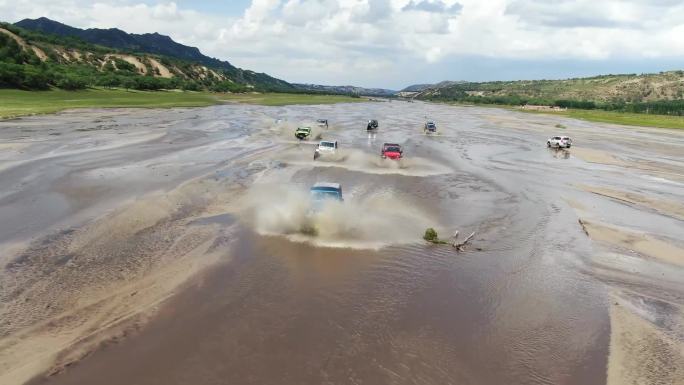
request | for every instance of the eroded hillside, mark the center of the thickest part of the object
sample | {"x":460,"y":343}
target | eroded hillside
{"x":37,"y":60}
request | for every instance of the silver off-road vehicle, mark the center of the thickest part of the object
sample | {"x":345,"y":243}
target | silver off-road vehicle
{"x":559,"y":142}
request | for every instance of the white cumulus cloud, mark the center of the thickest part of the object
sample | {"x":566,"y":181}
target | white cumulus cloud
{"x":348,"y":41}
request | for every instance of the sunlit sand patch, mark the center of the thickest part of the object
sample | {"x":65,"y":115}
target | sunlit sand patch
{"x":653,"y":168}
{"x":597,"y":156}
{"x":641,"y":243}
{"x":575,"y":204}
{"x":665,"y":207}
{"x":14,"y":146}
{"x":640,"y":352}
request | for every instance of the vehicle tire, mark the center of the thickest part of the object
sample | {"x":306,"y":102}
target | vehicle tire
{"x":548,"y":144}
{"x":569,"y":145}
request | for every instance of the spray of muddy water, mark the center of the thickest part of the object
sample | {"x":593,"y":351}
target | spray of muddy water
{"x":284,"y":130}
{"x":371,"y":222}
{"x":357,"y":160}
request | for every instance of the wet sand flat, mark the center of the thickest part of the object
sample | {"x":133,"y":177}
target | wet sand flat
{"x":643,"y":353}
{"x":665,"y":207}
{"x":635,"y":242}
{"x":168,"y":247}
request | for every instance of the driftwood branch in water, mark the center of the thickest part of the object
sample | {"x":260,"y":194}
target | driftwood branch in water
{"x":584,"y":226}
{"x":432,"y":237}
{"x":460,"y":246}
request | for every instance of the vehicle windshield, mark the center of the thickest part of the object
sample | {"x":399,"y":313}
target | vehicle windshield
{"x":322,"y":195}
{"x":328,"y":144}
{"x":556,"y":138}
{"x":392,"y":149}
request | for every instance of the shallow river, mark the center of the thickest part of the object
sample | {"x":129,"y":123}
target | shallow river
{"x":96,"y":202}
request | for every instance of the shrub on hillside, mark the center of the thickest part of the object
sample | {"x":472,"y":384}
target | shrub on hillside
{"x":70,"y":82}
{"x":227,"y":86}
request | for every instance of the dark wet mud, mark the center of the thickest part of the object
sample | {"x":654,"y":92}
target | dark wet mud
{"x":531,"y":301}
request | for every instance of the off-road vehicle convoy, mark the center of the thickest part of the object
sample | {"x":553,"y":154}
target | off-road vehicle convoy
{"x":559,"y":142}
{"x":372,"y":125}
{"x":392,"y":151}
{"x":303,"y":133}
{"x":323,"y":192}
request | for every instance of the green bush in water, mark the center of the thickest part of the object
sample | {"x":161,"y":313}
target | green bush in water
{"x":431,"y":235}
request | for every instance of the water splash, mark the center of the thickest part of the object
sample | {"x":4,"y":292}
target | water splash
{"x":371,"y":222}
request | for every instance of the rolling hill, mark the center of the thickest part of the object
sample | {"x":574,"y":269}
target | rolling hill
{"x":629,"y":88}
{"x":151,"y":43}
{"x":423,"y":87}
{"x":41,"y":53}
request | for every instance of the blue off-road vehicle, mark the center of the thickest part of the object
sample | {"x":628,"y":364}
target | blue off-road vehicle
{"x":322,"y":192}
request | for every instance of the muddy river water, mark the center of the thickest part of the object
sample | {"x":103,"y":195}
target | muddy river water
{"x":164,"y":247}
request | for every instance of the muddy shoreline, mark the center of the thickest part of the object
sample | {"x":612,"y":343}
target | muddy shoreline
{"x":158,"y":247}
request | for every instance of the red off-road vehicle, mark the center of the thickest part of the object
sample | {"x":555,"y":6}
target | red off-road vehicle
{"x":392,"y":151}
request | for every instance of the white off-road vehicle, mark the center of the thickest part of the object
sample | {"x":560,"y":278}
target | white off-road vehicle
{"x":325,"y":147}
{"x":559,"y":142}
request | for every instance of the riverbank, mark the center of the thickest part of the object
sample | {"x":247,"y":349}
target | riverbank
{"x":621,"y":118}
{"x":598,"y":116}
{"x":16,"y":103}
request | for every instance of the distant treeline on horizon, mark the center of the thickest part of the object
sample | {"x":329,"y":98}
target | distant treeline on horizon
{"x":659,"y":107}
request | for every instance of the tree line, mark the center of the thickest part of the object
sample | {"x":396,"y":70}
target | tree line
{"x":659,"y":107}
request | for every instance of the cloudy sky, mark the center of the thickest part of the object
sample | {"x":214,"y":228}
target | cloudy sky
{"x":394,"y":43}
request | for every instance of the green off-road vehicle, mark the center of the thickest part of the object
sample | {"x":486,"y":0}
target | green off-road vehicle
{"x":303,"y":133}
